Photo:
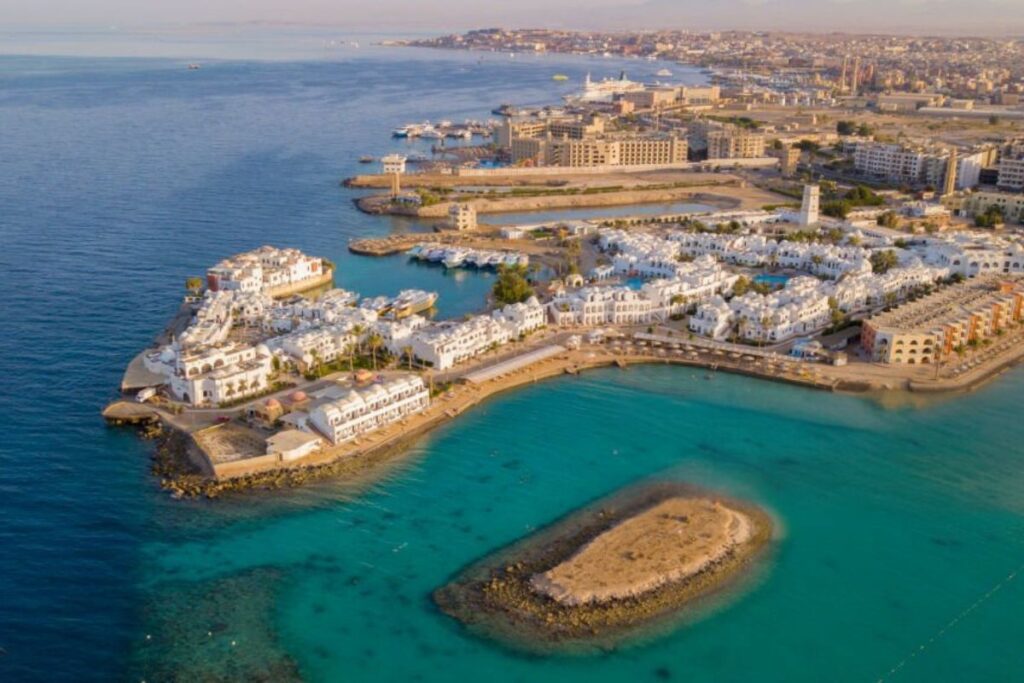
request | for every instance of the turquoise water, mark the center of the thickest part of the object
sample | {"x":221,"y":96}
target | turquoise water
{"x":120,"y":177}
{"x":893,"y":522}
{"x":774,"y":280}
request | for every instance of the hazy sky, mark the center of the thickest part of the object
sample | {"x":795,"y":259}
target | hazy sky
{"x":946,"y":16}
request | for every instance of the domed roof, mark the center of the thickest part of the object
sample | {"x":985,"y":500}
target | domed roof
{"x":299,"y":396}
{"x":273,"y":403}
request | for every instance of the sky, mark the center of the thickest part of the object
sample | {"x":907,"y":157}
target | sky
{"x":989,"y":17}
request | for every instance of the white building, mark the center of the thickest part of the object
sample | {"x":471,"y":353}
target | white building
{"x":221,"y":374}
{"x":592,"y":306}
{"x":809,"y":206}
{"x":264,"y":270}
{"x":392,"y":164}
{"x":308,"y":347}
{"x":445,"y":345}
{"x":694,"y":282}
{"x":365,"y":410}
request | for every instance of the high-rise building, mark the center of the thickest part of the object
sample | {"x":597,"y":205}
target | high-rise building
{"x":949,"y":182}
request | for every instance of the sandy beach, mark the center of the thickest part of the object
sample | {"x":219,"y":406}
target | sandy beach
{"x":671,"y":541}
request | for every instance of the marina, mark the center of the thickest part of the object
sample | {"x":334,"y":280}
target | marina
{"x":456,"y":257}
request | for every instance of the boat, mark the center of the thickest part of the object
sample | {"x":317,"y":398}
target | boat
{"x":606,"y":89}
{"x":366,"y":159}
{"x":559,"y":77}
{"x":412,"y":301}
{"x":378,"y":304}
{"x":193,"y":67}
{"x":454,"y":258}
{"x":432,"y":134}
{"x":663,"y":73}
{"x":402,"y":132}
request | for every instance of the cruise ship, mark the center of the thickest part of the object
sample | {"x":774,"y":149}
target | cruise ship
{"x":605,"y":89}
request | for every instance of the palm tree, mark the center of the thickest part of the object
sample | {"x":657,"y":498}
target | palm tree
{"x":350,"y":349}
{"x":408,"y":356}
{"x":375,"y":341}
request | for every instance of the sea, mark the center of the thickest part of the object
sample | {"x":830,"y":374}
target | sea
{"x":900,"y":522}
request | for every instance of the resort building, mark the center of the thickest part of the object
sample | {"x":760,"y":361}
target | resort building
{"x":217,"y":375}
{"x":309,"y":347}
{"x":445,"y":345}
{"x":800,"y":308}
{"x":266,"y":270}
{"x":693,"y":283}
{"x":367,"y":409}
{"x":592,"y":306}
{"x":933,"y":327}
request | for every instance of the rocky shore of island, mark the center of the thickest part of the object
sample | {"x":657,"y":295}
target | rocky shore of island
{"x":630,"y":563}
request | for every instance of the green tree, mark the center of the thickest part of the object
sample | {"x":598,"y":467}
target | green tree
{"x":883,"y":261}
{"x":845,"y":127}
{"x":512,"y":287}
{"x":889,"y":219}
{"x":194,"y":284}
{"x":741,"y":286}
{"x":374,"y":341}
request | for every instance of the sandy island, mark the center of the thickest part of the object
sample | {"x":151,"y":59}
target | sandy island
{"x":631,"y":564}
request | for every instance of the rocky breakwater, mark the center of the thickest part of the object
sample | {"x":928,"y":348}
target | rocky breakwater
{"x":637,"y":562}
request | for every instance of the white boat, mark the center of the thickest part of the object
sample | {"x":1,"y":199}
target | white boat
{"x":378,"y":304}
{"x":431,"y":134}
{"x":402,"y":132}
{"x":663,"y":73}
{"x":605,"y":89}
{"x":410,"y":301}
{"x":454,"y":259}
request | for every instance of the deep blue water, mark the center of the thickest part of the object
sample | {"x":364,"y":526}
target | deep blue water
{"x":120,"y":177}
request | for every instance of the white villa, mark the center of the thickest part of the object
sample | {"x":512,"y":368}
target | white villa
{"x":364,"y":410}
{"x":218,"y":374}
{"x":592,"y":306}
{"x":447,"y":344}
{"x":263,"y":270}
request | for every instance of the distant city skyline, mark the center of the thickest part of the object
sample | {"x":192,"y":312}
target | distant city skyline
{"x":949,"y":17}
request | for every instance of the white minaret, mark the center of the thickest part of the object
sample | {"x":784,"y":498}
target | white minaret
{"x":809,"y":207}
